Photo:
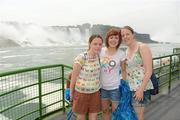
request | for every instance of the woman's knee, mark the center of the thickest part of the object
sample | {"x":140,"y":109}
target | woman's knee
{"x":106,"y":111}
{"x":140,"y":112}
{"x":93,"y":116}
{"x":114,"y":106}
{"x":81,"y":116}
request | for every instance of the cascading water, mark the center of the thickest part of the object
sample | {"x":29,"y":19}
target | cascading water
{"x":36,"y":35}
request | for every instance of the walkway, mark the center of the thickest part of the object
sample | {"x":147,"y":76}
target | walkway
{"x":162,"y":107}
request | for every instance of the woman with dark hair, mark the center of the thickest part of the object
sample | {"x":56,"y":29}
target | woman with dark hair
{"x":111,"y":72}
{"x":85,"y":83}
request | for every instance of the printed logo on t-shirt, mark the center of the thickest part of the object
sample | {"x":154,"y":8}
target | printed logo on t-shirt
{"x":107,"y":65}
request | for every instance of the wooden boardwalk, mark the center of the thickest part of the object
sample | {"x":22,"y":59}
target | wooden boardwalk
{"x":162,"y":107}
{"x":165,"y":106}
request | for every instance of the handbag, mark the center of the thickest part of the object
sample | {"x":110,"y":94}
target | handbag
{"x":155,"y":83}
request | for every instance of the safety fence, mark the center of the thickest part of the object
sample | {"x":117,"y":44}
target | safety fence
{"x":35,"y":93}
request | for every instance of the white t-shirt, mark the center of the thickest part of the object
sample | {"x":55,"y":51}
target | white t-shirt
{"x":110,"y":69}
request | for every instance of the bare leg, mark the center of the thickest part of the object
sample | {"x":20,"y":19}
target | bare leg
{"x":105,"y":109}
{"x":114,"y":106}
{"x":92,"y":116}
{"x":140,"y":112}
{"x":80,"y":116}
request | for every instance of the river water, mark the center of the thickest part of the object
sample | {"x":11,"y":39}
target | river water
{"x":20,"y":57}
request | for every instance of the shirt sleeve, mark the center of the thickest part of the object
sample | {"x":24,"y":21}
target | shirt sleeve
{"x":80,"y":60}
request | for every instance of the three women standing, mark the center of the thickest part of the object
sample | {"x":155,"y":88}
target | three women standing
{"x":136,"y":69}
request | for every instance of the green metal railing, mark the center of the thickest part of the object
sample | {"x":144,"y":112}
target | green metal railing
{"x":167,"y":69}
{"x":38,"y":92}
{"x":176,"y":50}
{"x":32,"y":93}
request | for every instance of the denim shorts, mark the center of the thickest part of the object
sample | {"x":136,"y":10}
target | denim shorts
{"x":143,"y":102}
{"x":112,"y":95}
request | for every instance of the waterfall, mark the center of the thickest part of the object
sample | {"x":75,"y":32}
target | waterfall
{"x":35,"y":35}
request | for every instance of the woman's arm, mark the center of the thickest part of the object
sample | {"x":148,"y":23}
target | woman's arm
{"x":147,"y":62}
{"x":123,"y":69}
{"x":75,"y":74}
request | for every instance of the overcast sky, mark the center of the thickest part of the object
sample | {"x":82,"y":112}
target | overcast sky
{"x":159,"y":18}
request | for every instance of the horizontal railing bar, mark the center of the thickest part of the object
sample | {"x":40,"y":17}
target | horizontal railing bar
{"x":50,"y":113}
{"x":174,"y":54}
{"x":51,"y":80}
{"x":27,"y":114}
{"x":18,"y":89}
{"x":51,"y":92}
{"x":19,"y":104}
{"x":163,"y":83}
{"x":51,"y":104}
{"x":29,"y":69}
{"x":163,"y":74}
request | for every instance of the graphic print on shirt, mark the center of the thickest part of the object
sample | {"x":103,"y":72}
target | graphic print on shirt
{"x":135,"y":72}
{"x":88,"y":79}
{"x":108,"y":64}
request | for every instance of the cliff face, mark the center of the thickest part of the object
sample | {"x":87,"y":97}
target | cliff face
{"x":102,"y":29}
{"x":15,"y":34}
{"x":144,"y":38}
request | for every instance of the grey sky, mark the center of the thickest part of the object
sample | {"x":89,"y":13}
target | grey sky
{"x":159,"y":18}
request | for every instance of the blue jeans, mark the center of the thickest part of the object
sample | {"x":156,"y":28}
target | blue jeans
{"x":143,"y":102}
{"x":112,"y":95}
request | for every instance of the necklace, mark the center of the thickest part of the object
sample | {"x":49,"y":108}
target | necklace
{"x":91,"y":57}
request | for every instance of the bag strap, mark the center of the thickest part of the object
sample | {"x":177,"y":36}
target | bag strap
{"x":85,"y":58}
{"x":99,"y":60}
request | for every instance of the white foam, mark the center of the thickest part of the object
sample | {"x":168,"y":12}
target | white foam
{"x":5,"y":51}
{"x":2,"y":117}
{"x":13,"y":56}
{"x":36,"y":35}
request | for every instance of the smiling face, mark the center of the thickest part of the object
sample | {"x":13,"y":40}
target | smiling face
{"x":95,"y":45}
{"x":127,"y":36}
{"x":113,"y":38}
{"x":113,"y":41}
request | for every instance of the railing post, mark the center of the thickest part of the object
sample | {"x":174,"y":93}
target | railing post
{"x":159,"y":72}
{"x":170,"y":74}
{"x":40,"y":93}
{"x":63,"y":88}
{"x":179,"y":68}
